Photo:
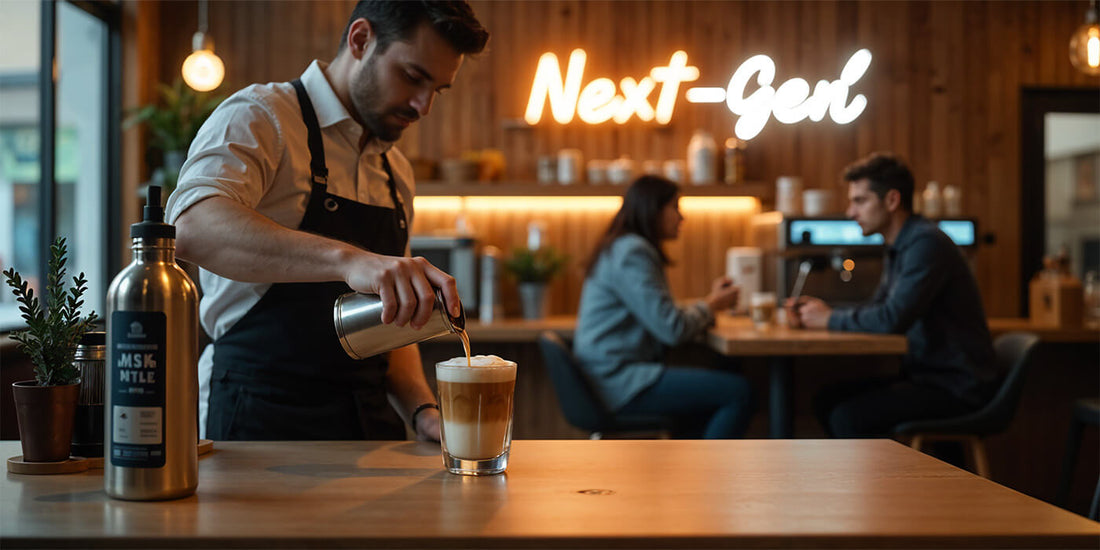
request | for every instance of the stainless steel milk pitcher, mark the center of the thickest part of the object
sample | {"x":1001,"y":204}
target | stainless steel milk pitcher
{"x":358,"y":319}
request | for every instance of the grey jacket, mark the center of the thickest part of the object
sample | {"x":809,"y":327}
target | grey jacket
{"x":628,"y":320}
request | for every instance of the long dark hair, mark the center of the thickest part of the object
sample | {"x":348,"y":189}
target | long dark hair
{"x":640,"y":214}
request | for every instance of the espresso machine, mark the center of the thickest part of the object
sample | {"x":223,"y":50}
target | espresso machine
{"x":846,"y":266}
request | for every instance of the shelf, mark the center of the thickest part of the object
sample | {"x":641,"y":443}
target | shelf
{"x":533,"y":189}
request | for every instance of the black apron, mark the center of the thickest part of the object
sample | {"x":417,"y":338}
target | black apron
{"x":280,"y":372}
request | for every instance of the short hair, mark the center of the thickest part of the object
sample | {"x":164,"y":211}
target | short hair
{"x":885,"y":172}
{"x":394,"y":21}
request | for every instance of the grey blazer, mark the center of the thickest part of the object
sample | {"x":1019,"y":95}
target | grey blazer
{"x":628,"y":320}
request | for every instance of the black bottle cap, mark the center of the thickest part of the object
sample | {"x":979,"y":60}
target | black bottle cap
{"x":94,"y":338}
{"x":152,"y":225}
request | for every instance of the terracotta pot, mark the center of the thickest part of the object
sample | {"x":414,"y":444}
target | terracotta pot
{"x":45,"y":415}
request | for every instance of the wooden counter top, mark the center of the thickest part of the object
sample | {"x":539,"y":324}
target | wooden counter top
{"x":665,"y":493}
{"x":520,"y":330}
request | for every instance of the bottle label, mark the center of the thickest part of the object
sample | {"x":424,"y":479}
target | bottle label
{"x":137,"y":427}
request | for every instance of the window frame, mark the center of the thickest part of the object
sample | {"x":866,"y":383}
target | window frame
{"x":110,"y":13}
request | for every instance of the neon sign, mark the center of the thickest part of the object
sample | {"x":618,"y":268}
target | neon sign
{"x":600,"y":101}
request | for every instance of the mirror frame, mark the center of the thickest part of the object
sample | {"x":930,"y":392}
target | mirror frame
{"x":1035,"y":103}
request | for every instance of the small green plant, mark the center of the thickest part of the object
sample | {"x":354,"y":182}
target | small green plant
{"x":52,"y":333}
{"x":535,"y":266}
{"x":174,"y":122}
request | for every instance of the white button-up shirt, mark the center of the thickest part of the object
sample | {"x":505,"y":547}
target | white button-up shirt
{"x":253,"y":150}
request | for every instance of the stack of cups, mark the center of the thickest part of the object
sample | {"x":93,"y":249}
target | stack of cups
{"x":788,"y":195}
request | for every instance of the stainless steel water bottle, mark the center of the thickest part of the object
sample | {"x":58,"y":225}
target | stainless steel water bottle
{"x":151,"y":390}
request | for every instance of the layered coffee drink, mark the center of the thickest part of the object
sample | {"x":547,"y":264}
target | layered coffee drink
{"x":476,"y":406}
{"x":762,"y":309}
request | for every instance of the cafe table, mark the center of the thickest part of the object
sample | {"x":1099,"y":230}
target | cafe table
{"x":556,"y":494}
{"x":736,"y":336}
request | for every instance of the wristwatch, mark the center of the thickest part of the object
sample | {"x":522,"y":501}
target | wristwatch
{"x":419,"y":410}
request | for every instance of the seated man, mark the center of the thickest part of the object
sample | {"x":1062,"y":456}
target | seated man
{"x":928,"y":293}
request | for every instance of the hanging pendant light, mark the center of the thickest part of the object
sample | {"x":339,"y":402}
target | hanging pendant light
{"x":1084,"y":45}
{"x":202,"y":70}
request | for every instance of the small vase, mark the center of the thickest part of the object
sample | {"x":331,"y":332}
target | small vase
{"x":532,"y":297}
{"x":173,"y":160}
{"x":45,"y":416}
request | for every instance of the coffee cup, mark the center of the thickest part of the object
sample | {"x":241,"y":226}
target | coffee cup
{"x":475,"y":403}
{"x":816,"y":202}
{"x":762,"y":309}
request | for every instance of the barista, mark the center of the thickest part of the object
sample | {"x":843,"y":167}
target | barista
{"x":294,"y":194}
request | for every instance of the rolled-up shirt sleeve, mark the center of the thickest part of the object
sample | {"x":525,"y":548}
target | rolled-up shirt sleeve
{"x":922,"y":273}
{"x":644,"y":290}
{"x":235,"y":155}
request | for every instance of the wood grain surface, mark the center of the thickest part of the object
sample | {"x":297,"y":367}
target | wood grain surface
{"x":736,"y":335}
{"x":803,"y":493}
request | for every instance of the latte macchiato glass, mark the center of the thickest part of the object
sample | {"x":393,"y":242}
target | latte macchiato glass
{"x":762,"y":309}
{"x":476,"y":406}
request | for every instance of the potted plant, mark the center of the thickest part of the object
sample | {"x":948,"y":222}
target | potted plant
{"x":533,"y":269}
{"x":45,"y":406}
{"x":173,"y":123}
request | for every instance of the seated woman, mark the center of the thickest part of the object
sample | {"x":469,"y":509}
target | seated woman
{"x":628,"y":320}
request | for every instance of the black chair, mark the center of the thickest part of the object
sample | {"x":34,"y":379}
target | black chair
{"x":1085,"y":412}
{"x":1013,"y":354}
{"x":581,"y":404}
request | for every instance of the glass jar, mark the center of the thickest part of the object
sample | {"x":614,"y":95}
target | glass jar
{"x":90,"y":359}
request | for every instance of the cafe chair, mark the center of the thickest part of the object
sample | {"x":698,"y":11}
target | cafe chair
{"x":582,"y":405}
{"x":1013,"y":355}
{"x":1085,"y":412}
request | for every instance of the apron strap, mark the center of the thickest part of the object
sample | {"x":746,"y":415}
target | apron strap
{"x":316,"y":147}
{"x":399,"y":210}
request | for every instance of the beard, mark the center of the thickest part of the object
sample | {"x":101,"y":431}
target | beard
{"x":366,"y":97}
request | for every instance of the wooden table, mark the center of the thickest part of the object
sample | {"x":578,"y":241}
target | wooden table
{"x":556,"y":494}
{"x":736,"y":336}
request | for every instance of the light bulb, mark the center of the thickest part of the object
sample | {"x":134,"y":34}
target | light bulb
{"x":202,"y":70}
{"x":1084,"y":45}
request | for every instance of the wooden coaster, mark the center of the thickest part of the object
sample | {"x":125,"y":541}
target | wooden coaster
{"x":74,"y":464}
{"x":95,"y":462}
{"x":205,"y":446}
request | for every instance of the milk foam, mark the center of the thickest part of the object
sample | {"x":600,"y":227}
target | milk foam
{"x":484,"y":368}
{"x":478,"y":361}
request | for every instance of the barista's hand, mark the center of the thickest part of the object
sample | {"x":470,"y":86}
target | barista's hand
{"x":428,"y":425}
{"x":808,"y":312}
{"x":723,"y":294}
{"x":404,"y":284}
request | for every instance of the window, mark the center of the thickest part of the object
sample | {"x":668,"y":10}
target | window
{"x":69,"y":189}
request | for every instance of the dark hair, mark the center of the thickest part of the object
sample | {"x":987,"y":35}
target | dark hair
{"x":393,"y":21}
{"x":639,"y":214}
{"x":885,"y":172}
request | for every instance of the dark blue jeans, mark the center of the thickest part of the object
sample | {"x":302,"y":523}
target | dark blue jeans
{"x":704,"y":403}
{"x":871,"y":407}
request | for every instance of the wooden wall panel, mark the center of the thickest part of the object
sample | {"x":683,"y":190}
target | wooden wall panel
{"x":943,"y":87}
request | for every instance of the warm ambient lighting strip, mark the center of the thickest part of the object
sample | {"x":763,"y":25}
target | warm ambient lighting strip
{"x":575,"y":204}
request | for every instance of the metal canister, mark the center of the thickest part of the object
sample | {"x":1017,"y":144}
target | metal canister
{"x":89,"y":360}
{"x":358,"y":320}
